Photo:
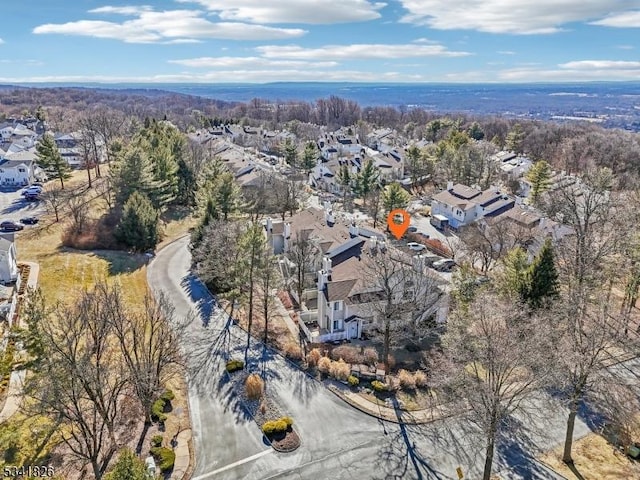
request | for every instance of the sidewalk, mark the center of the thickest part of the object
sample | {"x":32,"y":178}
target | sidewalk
{"x":14,"y":395}
{"x":416,"y":417}
{"x":183,"y":456}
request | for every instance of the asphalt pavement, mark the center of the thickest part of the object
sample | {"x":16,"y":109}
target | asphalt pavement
{"x":338,"y":442}
{"x":13,"y":206}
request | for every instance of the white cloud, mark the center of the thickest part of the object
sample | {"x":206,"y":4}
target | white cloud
{"x":232,"y":76}
{"x":130,"y":10}
{"x":293,"y":11}
{"x":357,"y":52}
{"x":248,"y":62}
{"x":160,"y":27}
{"x":600,"y":64}
{"x":506,"y":52}
{"x":625,"y":47}
{"x":517,"y":16}
{"x":1,"y":41}
{"x":621,"y":20}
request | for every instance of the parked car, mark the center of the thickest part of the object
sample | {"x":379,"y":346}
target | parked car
{"x":32,"y":190}
{"x":444,"y":265}
{"x":9,"y":226}
{"x":416,"y":247}
{"x":29,"y":220}
{"x":412,"y":229}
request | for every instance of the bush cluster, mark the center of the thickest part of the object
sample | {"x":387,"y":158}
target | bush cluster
{"x":370,"y":355}
{"x":254,"y":386}
{"x":156,"y":441}
{"x":280,"y":425}
{"x":378,"y":386}
{"x":420,"y":378}
{"x":158,"y":407}
{"x":340,"y":370}
{"x":313,"y":357}
{"x":234,"y":365}
{"x":347,"y":353}
{"x":353,"y":380}
{"x":324,"y":363}
{"x":407,"y":380}
{"x":293,"y":351}
{"x":167,"y":396}
{"x":165,"y":456}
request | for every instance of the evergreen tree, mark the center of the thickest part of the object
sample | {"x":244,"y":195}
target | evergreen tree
{"x":128,"y":467}
{"x":290,"y":152}
{"x":395,"y":196}
{"x":34,"y":314}
{"x":539,"y":175}
{"x":50,"y":160}
{"x":309,"y":157}
{"x":138,"y":227}
{"x":514,"y":278}
{"x":475,"y":131}
{"x":227,"y":194}
{"x":344,"y":179}
{"x":542,"y":277}
{"x":367,"y":181}
{"x":515,"y":139}
{"x":133,"y":172}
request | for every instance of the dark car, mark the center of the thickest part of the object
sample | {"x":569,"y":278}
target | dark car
{"x":29,"y":220}
{"x":9,"y":226}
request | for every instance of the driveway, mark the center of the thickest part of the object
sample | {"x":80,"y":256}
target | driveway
{"x":338,"y":442}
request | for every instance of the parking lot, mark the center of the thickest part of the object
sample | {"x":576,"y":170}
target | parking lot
{"x":13,"y":206}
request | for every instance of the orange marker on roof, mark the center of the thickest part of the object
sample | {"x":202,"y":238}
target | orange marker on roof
{"x":398,"y":222}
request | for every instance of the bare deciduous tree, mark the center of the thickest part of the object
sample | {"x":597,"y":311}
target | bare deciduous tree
{"x":401,"y":295}
{"x":493,"y":359}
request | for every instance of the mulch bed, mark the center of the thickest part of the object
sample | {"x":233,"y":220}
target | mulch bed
{"x":286,"y":443}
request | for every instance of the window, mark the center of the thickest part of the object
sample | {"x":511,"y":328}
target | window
{"x":335,"y":324}
{"x":21,"y":170}
{"x":337,"y":306}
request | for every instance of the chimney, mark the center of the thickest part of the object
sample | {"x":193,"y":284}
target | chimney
{"x":329,"y":218}
{"x":373,"y":245}
{"x":353,"y":229}
{"x":269,"y":225}
{"x":449,"y":185}
{"x":323,"y":279}
{"x":382,"y":245}
{"x":542,"y":223}
{"x":287,"y":230}
{"x":326,"y":265}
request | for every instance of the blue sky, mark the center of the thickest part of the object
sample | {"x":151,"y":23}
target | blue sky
{"x":241,"y":41}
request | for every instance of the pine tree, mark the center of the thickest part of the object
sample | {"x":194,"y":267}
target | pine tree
{"x":309,"y":157}
{"x":290,"y":152}
{"x":367,"y":181}
{"x":395,"y":196}
{"x":542,"y":277}
{"x":50,"y":160}
{"x":227,"y":194}
{"x":344,"y":179}
{"x":515,"y":139}
{"x":128,"y":467}
{"x":138,"y":227}
{"x":514,"y":279}
{"x":539,"y":175}
{"x":133,"y":172}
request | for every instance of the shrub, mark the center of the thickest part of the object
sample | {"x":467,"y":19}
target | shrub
{"x":347,"y":353}
{"x":165,"y":456}
{"x":254,"y":386}
{"x":234,"y":365}
{"x":370,"y":355}
{"x":324,"y":364}
{"x":353,"y":380}
{"x":339,"y":370}
{"x":157,"y":411}
{"x":156,"y":441}
{"x":280,"y":425}
{"x":167,"y":396}
{"x":293,"y":351}
{"x":378,"y":386}
{"x":313,"y":357}
{"x":420,"y":378}
{"x":287,"y":420}
{"x":407,"y":380}
{"x":263,"y":407}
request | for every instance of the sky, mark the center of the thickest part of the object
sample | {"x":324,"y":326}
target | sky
{"x":258,"y":41}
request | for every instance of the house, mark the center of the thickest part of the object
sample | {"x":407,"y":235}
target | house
{"x":463,"y":205}
{"x":70,"y":149}
{"x":23,"y":136}
{"x":337,"y":301}
{"x":17,"y":169}
{"x":8,"y":262}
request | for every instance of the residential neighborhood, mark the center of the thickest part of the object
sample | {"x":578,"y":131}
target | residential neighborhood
{"x":255,"y":267}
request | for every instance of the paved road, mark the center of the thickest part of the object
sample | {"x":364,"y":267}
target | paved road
{"x":338,"y":442}
{"x":13,"y":206}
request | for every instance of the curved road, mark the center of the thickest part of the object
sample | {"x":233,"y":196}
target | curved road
{"x":338,"y":442}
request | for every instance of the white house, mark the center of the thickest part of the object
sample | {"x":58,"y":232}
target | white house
{"x":16,"y":172}
{"x":463,"y":205}
{"x":8,"y":262}
{"x":23,"y":136}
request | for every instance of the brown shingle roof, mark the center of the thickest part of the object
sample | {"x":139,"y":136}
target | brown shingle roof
{"x":339,"y":290}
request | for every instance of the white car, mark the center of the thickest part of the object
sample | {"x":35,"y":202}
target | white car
{"x":416,"y":247}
